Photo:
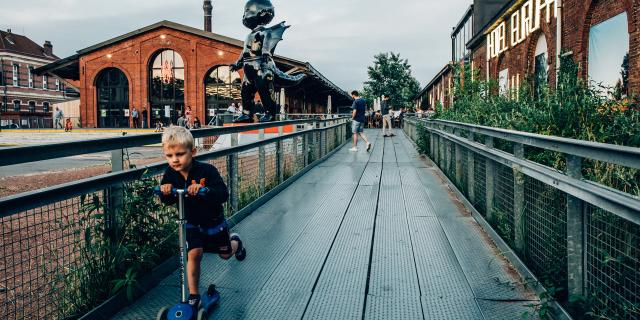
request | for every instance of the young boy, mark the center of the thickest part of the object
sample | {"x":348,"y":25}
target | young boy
{"x":207,"y":229}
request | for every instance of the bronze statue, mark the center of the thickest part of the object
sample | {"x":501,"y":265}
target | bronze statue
{"x":256,"y":60}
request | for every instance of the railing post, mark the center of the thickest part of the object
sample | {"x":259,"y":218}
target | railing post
{"x":261,"y":165}
{"x":576,"y":224}
{"x":305,"y":147}
{"x":232,"y":168}
{"x":280,"y":158}
{"x":314,"y":140}
{"x":518,"y":200}
{"x":471,"y":172}
{"x":458,"y":164}
{"x":489,"y":182}
{"x":323,"y":139}
{"x":432,"y":145}
{"x":115,"y":197}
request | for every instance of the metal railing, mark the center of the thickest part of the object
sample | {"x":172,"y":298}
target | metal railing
{"x":579,"y":237}
{"x":64,"y":248}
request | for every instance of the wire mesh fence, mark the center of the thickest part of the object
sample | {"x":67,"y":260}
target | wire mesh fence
{"x":62,"y":259}
{"x":546,"y":233}
{"x":613,"y":264}
{"x":602,"y":242}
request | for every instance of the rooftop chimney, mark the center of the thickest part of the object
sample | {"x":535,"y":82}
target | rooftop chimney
{"x":9,"y":31}
{"x":48,"y":48}
{"x":208,"y":8}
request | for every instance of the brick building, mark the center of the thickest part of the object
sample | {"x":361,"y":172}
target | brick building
{"x":437,"y":91}
{"x":166,"y":67}
{"x":26,"y":98}
{"x":519,"y":43}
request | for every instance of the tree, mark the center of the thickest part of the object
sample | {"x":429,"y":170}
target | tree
{"x":391,"y":75}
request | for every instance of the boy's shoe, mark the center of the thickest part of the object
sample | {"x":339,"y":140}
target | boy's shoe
{"x":241,"y":253}
{"x":368,"y":146}
{"x":354,"y":149}
{"x":194,"y":301}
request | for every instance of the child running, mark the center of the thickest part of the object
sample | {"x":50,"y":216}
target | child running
{"x":207,"y":229}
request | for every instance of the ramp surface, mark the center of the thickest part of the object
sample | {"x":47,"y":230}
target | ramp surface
{"x":373,"y":235}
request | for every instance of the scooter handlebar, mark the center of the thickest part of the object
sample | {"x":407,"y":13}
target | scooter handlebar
{"x":174,"y":191}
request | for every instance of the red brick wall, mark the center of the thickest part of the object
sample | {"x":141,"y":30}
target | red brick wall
{"x":578,"y":16}
{"x":133,"y":57}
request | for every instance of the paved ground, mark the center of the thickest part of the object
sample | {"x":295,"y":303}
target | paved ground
{"x":362,"y":236}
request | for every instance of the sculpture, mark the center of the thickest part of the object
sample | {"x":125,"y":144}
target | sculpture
{"x":256,"y":60}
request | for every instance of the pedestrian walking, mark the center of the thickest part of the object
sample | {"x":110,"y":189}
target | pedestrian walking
{"x":385,"y":108}
{"x":144,"y":117}
{"x":57,"y":116}
{"x":134,"y":117}
{"x":357,"y":123}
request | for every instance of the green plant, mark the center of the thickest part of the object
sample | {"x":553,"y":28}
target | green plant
{"x":119,"y":243}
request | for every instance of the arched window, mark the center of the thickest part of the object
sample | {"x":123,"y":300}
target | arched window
{"x":32,"y":106}
{"x":16,"y":105}
{"x":166,"y":87}
{"x":541,"y":65}
{"x":112,"y":88}
{"x":222,"y":88}
{"x":45,"y":107}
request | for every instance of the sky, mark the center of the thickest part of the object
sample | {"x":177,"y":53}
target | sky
{"x":338,"y":37}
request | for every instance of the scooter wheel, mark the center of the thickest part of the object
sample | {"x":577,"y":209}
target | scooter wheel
{"x":163,"y":313}
{"x":211,"y":290}
{"x":202,"y":315}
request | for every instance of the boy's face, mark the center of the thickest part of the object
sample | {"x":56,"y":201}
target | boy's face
{"x":178,"y":156}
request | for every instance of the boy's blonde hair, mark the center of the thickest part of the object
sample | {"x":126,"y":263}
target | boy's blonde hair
{"x":177,"y":135}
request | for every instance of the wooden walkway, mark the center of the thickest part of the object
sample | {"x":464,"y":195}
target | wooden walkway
{"x":361,"y":236}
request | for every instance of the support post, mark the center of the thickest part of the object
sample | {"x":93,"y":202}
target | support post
{"x":261,"y":164}
{"x":471,"y":172}
{"x":314,"y":140}
{"x":232,"y":168}
{"x":280,"y":158}
{"x":432,"y":143}
{"x":518,"y":200}
{"x":458,"y":164}
{"x":576,"y":224}
{"x":115,"y":197}
{"x":489,"y":182}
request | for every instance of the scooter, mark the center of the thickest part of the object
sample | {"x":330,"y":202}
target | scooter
{"x":183,"y":310}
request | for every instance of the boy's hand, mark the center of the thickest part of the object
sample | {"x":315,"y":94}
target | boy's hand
{"x":193,"y":189}
{"x":166,"y":189}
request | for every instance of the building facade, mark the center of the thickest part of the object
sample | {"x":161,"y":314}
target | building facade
{"x":517,"y":41}
{"x":167,"y":67}
{"x":601,"y":36}
{"x":27,"y":98}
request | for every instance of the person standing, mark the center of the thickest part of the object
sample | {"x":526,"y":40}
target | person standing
{"x":58,"y":115}
{"x":386,"y":117}
{"x":357,"y":123}
{"x":134,"y":117}
{"x":144,"y":117}
{"x":188,"y":114}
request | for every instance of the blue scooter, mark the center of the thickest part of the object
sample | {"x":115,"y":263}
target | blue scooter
{"x":183,"y":310}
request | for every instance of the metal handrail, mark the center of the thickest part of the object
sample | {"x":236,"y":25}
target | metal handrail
{"x":18,"y":155}
{"x":621,"y":204}
{"x":622,"y":155}
{"x":33,"y":199}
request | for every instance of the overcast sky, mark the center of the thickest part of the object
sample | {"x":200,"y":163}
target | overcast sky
{"x":339,"y":37}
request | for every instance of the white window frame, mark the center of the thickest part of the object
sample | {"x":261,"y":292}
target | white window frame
{"x":29,"y":69}
{"x":16,"y":75}
{"x":57,"y":84}
{"x":45,"y":82}
{"x":19,"y":105}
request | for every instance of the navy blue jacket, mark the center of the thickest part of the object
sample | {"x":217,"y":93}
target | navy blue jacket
{"x":204,"y":211}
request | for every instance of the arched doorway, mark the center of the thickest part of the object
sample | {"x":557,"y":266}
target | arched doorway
{"x":222,"y":87}
{"x":112,"y":88}
{"x":166,"y":87}
{"x":541,"y":67}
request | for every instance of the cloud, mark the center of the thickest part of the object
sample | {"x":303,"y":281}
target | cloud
{"x":338,"y":37}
